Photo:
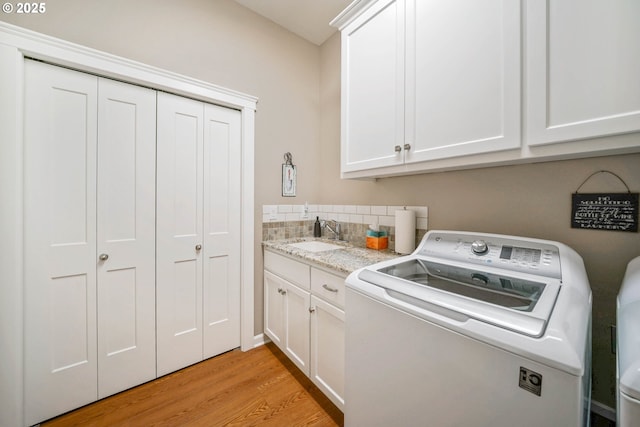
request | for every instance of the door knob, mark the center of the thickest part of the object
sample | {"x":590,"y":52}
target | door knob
{"x":312,"y":309}
{"x":407,"y":147}
{"x":398,"y":149}
{"x":103,"y":257}
{"x":198,"y":247}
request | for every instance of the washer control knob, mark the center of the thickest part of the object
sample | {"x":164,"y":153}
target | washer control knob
{"x":479,"y":247}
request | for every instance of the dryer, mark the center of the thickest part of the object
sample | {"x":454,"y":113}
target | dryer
{"x":470,"y":329}
{"x":628,"y":348}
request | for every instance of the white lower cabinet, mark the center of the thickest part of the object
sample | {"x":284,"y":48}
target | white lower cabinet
{"x":287,"y":318}
{"x":304,"y":317}
{"x":327,"y":349}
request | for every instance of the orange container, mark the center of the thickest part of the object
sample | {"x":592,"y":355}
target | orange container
{"x":377,"y":243}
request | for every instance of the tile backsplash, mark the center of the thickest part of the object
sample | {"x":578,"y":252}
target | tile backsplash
{"x":293,"y":221}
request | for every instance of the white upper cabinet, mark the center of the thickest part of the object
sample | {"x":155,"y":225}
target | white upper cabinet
{"x":462,"y":89}
{"x":432,"y":85}
{"x":425,"y":80}
{"x":583,"y":68}
{"x":373,"y":88}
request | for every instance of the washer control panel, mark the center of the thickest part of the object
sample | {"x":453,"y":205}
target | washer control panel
{"x":529,"y":256}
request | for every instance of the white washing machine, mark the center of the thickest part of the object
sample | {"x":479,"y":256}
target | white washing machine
{"x":470,"y":330}
{"x":628,"y":351}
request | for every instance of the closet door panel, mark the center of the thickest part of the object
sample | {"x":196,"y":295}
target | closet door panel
{"x":179,"y":232}
{"x":222,"y":161}
{"x":126,"y":235}
{"x":60,"y":246}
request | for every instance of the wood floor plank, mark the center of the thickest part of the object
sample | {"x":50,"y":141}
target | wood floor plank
{"x":261,"y":387}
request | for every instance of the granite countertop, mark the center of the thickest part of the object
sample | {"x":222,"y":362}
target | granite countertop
{"x":345,"y":260}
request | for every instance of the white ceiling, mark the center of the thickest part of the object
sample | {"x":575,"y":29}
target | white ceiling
{"x":307,"y":18}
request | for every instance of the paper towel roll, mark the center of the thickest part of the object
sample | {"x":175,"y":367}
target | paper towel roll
{"x":405,"y":231}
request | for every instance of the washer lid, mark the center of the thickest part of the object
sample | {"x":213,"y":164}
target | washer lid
{"x":514,"y":303}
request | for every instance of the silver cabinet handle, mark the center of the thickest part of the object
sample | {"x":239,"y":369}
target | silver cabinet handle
{"x":280,"y":291}
{"x":398,"y":149}
{"x":329,"y":288}
{"x":198,"y":247}
{"x":312,"y":309}
{"x":407,"y":147}
{"x":103,"y":257}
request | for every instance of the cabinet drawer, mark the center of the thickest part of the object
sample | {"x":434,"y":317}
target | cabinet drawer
{"x":287,"y":268}
{"x":328,"y":286}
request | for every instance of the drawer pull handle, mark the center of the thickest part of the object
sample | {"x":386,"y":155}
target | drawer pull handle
{"x":329,"y":288}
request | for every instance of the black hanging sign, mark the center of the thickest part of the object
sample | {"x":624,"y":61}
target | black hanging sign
{"x":605,"y":211}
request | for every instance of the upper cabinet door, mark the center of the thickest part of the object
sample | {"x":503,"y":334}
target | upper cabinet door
{"x":463,"y":77}
{"x":373,"y":88}
{"x":583,"y":68}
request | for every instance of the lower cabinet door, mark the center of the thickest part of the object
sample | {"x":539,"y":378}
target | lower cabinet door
{"x":327,"y":350}
{"x":296,"y":320}
{"x":274,"y":308}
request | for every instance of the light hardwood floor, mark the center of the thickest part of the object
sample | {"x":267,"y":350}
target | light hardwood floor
{"x":259,"y":387}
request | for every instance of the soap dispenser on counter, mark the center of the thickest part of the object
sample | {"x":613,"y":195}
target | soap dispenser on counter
{"x":317,"y":232}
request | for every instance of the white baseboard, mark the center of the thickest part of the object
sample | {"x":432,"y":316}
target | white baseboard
{"x":259,"y":340}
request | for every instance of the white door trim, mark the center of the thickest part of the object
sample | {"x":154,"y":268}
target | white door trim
{"x":17,"y":43}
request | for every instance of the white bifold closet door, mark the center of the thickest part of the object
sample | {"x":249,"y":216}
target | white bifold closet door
{"x":89,"y":191}
{"x":126,"y":235}
{"x":198,"y":231}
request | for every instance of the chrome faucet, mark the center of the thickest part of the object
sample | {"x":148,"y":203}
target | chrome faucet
{"x":336,"y":231}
